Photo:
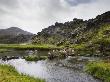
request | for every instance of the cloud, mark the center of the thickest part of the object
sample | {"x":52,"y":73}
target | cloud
{"x":9,"y":3}
{"x":77,"y":2}
{"x":34,"y":15}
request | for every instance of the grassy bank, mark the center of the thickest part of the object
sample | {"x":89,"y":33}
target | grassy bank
{"x":9,"y":74}
{"x":34,"y":58}
{"x":4,"y":50}
{"x":99,"y":70}
{"x":30,"y":47}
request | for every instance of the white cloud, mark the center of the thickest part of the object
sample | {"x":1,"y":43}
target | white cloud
{"x":33,"y":15}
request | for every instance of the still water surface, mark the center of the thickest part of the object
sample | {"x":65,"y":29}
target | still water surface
{"x":65,"y":70}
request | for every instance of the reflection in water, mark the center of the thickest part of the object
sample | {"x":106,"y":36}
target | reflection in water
{"x":52,"y":71}
{"x":22,"y":53}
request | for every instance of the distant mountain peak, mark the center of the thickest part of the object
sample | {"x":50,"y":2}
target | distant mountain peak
{"x":14,"y":35}
{"x":14,"y":28}
{"x":14,"y":31}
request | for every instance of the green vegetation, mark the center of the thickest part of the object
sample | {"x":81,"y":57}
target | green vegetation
{"x":34,"y":58}
{"x":9,"y":74}
{"x":90,"y":37}
{"x":86,"y":37}
{"x":98,"y":42}
{"x":28,"y":47}
{"x":99,"y":70}
{"x":4,"y":50}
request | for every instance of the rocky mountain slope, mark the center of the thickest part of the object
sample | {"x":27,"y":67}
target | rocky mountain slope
{"x":75,"y":31}
{"x":14,"y":35}
{"x":91,"y":35}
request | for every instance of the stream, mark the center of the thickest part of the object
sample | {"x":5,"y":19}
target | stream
{"x":70,"y":69}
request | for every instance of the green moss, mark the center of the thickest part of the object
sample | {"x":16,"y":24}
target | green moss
{"x":97,"y":42}
{"x":102,"y":33}
{"x":9,"y":74}
{"x":34,"y":58}
{"x":99,"y":70}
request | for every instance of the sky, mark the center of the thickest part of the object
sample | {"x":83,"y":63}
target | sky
{"x":34,"y":15}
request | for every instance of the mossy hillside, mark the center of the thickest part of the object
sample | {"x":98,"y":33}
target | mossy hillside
{"x":96,"y":44}
{"x":87,"y":37}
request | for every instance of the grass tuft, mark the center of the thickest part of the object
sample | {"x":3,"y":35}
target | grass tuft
{"x":99,"y":70}
{"x":34,"y":58}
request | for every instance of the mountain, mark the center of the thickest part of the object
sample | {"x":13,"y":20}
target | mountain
{"x":14,"y":35}
{"x":72,"y":31}
{"x":14,"y":31}
{"x":83,"y":35}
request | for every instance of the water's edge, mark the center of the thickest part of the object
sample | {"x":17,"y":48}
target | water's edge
{"x":66,"y":70}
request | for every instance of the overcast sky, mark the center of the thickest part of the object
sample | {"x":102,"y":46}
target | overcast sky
{"x":34,"y":15}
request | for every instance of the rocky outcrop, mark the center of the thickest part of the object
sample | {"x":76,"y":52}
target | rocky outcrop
{"x":73,"y":32}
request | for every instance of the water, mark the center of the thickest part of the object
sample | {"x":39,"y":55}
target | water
{"x":21,"y":53}
{"x":64,"y":70}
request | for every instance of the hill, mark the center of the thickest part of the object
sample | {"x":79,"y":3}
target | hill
{"x":89,"y":36}
{"x":14,"y":35}
{"x":14,"y":31}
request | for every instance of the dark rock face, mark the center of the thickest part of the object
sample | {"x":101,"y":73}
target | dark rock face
{"x":14,"y":35}
{"x":76,"y":31}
